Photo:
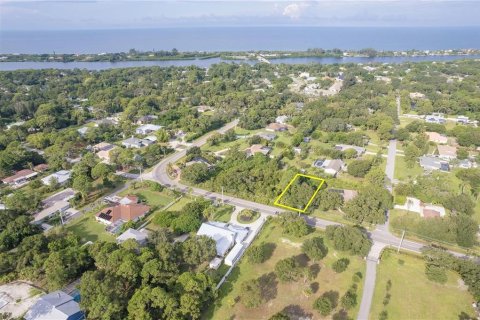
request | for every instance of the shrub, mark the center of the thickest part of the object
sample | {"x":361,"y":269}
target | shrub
{"x":287,"y":269}
{"x":256,"y":254}
{"x":164,"y":218}
{"x":435,"y":273}
{"x":340,"y":265}
{"x":323,"y":305}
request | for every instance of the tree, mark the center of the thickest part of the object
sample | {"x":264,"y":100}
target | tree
{"x":251,"y":293}
{"x":411,"y":155}
{"x":186,"y":222}
{"x":103,"y":296}
{"x":323,"y":305}
{"x":103,"y":171}
{"x":349,"y":299}
{"x":376,"y":176}
{"x":359,"y":168}
{"x":287,"y":269}
{"x":460,"y":204}
{"x":196,"y":173}
{"x":340,"y":265}
{"x":83,"y":185}
{"x":314,"y":248}
{"x":195,"y":290}
{"x":327,"y":302}
{"x":149,"y":303}
{"x":198,"y":250}
{"x":279,"y":316}
{"x":329,"y":200}
{"x":162,"y":136}
{"x":293,"y":224}
{"x":369,"y":205}
{"x":257,"y":253}
{"x":347,"y":238}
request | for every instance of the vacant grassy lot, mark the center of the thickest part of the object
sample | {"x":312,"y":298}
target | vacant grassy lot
{"x":413,"y":296}
{"x":278,"y":295}
{"x":403,"y":173}
{"x":88,"y":229}
{"x":153,"y":198}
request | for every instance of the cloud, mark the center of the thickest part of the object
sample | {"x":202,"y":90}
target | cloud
{"x":294,"y":10}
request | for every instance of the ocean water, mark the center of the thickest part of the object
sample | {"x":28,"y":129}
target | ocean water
{"x":238,"y":39}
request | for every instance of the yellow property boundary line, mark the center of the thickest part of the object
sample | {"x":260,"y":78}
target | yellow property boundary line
{"x":322,"y":181}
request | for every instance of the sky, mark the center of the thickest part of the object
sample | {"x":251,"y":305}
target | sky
{"x":123,"y":14}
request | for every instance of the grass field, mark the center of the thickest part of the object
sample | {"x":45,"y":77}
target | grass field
{"x":402,"y":172}
{"x":88,"y":229}
{"x":280,"y":295}
{"x":153,"y":198}
{"x":413,"y":296}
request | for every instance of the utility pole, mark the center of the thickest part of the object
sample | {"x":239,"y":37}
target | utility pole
{"x":223,"y":202}
{"x":401,"y":241}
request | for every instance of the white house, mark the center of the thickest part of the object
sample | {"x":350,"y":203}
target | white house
{"x":61,"y":177}
{"x":147,"y":129}
{"x":234,"y":254}
{"x":425,"y":210}
{"x":331,"y":167}
{"x":281,"y":119}
{"x":139,"y":236}
{"x":136,"y":143}
{"x":225,"y":236}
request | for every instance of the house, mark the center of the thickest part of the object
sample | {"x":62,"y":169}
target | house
{"x":57,"y":203}
{"x":424,"y":210}
{"x":225,"y":235}
{"x":430,"y":163}
{"x":436,"y":137}
{"x":331,"y":167}
{"x":307,"y":139}
{"x":147,"y":129}
{"x":136,"y":143}
{"x":257,"y":148}
{"x":297,"y":150}
{"x":435,"y":118}
{"x":105,"y":122}
{"x":345,"y":147}
{"x":82,"y":131}
{"x":234,"y":254}
{"x":56,"y":305}
{"x":447,"y":152}
{"x":122,"y":213}
{"x":20,"y":178}
{"x":346,"y":194}
{"x":200,"y":160}
{"x":467,"y":164}
{"x":282,"y":119}
{"x":276,"y":127}
{"x":203,"y":109}
{"x":215,"y":263}
{"x":146,"y":119}
{"x":267,"y":136}
{"x":462,"y":119}
{"x":41,"y":167}
{"x":139,"y":236}
{"x":128,"y":199}
{"x":151,"y":138}
{"x":103,"y":146}
{"x":416,"y":95}
{"x":61,"y":177}
{"x":104,"y":155}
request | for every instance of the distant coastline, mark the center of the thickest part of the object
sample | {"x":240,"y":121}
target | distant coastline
{"x":262,"y":56}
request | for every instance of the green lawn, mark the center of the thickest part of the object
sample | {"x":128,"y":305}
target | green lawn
{"x":222,"y":213}
{"x":88,"y":229}
{"x":153,"y":198}
{"x":413,"y":296}
{"x":281,"y":295}
{"x":402,"y":172}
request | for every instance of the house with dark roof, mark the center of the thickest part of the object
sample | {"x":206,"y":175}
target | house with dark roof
{"x":430,"y":163}
{"x":20,"y":178}
{"x":276,"y":127}
{"x":55,"y":306}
